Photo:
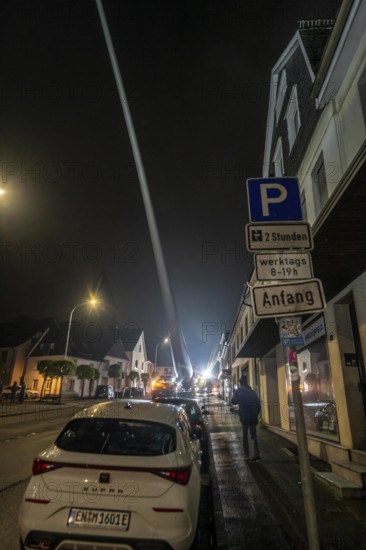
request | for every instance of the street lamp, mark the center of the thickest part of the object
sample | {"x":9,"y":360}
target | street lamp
{"x":91,"y":302}
{"x":163,"y":341}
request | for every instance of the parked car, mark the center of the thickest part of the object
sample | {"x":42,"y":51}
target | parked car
{"x":119,"y":474}
{"x":29,"y":394}
{"x":198,"y":420}
{"x":163,"y":392}
{"x":326,"y":417}
{"x":133,"y":393}
{"x":104,"y":390}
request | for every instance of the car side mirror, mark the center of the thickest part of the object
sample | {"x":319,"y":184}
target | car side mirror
{"x":205,"y":412}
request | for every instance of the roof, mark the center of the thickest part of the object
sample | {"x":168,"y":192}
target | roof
{"x":117,"y":350}
{"x":130,"y":337}
{"x":24,"y":328}
{"x":136,"y":409}
{"x":314,"y":36}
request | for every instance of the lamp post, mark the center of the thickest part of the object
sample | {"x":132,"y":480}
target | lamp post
{"x":163,"y":341}
{"x":92,"y":302}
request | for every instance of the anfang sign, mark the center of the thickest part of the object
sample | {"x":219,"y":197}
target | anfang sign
{"x":288,"y":299}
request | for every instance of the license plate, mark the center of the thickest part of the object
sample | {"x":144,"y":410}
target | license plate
{"x":99,"y":518}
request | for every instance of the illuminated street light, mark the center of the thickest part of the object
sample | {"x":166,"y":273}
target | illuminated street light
{"x":91,"y":302}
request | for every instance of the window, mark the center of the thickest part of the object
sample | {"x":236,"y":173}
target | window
{"x":281,"y":92}
{"x":278,"y":160}
{"x":48,"y":384}
{"x":71,"y":385}
{"x":112,"y":436}
{"x":34,"y":384}
{"x":293,"y":117}
{"x":319,"y":184}
{"x":136,"y":364}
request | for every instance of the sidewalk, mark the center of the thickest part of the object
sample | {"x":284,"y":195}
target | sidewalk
{"x":260,"y":505}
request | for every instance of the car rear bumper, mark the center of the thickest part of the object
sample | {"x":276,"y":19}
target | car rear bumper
{"x":65,"y":541}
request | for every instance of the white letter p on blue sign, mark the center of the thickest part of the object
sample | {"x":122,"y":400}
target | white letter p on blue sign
{"x":274,"y":199}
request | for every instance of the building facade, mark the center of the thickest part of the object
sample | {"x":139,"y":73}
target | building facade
{"x":316,"y":130}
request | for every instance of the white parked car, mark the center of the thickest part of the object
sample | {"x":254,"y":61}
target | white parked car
{"x":120,"y":475}
{"x":29,"y":394}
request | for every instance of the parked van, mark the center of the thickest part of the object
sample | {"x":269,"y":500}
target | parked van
{"x":104,"y":390}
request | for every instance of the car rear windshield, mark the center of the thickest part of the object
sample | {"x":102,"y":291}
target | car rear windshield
{"x":111,"y":436}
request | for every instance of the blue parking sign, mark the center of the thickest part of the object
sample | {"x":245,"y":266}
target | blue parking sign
{"x":274,"y":199}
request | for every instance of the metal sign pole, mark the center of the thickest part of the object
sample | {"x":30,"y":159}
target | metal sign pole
{"x":306,"y":478}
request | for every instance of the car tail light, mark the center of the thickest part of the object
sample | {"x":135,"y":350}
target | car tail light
{"x":43,"y":466}
{"x":37,"y":500}
{"x":180,"y":476}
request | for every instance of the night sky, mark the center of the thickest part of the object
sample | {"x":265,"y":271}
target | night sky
{"x":197,"y":78}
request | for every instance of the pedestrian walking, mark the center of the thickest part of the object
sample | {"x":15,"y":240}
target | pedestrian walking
{"x":249,"y":409}
{"x":22,"y":391}
{"x":13,"y":391}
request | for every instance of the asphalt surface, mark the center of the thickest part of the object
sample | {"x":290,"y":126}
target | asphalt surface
{"x":251,"y":505}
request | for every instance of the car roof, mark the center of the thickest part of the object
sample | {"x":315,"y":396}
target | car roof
{"x":138,"y":409}
{"x":177,"y":400}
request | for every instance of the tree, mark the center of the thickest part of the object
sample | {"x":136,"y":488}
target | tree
{"x":84,"y":372}
{"x":145,"y":377}
{"x":64,"y":367}
{"x":96,"y":375}
{"x":134,"y":375}
{"x":47,"y":369}
{"x":114,"y":371}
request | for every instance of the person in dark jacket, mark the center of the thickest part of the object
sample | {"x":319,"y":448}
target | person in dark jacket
{"x":23,"y":389}
{"x":249,"y":409}
{"x":13,"y":391}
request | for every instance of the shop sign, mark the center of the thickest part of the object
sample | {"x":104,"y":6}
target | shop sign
{"x":314,"y":331}
{"x":290,"y":331}
{"x":350,"y":360}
